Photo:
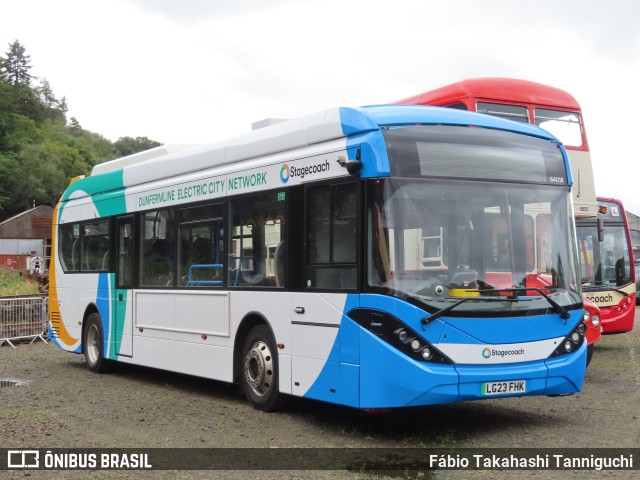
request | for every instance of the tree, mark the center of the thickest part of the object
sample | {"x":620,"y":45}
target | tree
{"x":44,"y":173}
{"x":74,"y":125}
{"x":39,"y":152}
{"x":9,"y":167}
{"x":15,"y":67}
{"x":56,"y":109}
{"x":129,"y":146}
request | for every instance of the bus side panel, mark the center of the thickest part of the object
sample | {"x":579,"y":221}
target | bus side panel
{"x":187,"y":353}
{"x":75,"y":293}
{"x":180,"y":331}
{"x":324,"y":357}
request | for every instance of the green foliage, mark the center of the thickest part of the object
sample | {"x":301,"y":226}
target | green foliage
{"x":129,"y":146}
{"x":15,"y":67}
{"x":13,"y":283}
{"x":39,"y":151}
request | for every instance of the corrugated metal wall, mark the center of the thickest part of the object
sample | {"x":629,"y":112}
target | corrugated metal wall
{"x":13,"y":246}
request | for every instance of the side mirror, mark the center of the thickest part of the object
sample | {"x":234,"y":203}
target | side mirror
{"x":600,"y":229}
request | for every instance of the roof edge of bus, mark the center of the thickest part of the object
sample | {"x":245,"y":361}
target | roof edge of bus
{"x":138,"y":157}
{"x":494,"y":88}
{"x":602,"y":198}
{"x":290,"y":134}
{"x":161,"y":163}
{"x":389,"y":115}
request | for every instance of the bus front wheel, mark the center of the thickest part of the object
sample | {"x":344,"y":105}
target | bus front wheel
{"x":259,"y":376}
{"x":590,"y":349}
{"x":93,"y":343}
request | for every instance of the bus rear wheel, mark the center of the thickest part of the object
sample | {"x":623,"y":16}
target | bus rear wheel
{"x":93,"y":345}
{"x":259,"y":377}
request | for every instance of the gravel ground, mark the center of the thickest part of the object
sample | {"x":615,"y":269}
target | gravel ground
{"x":60,"y":404}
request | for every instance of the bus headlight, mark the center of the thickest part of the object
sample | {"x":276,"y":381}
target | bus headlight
{"x":397,"y":334}
{"x":595,"y":320}
{"x":571,"y":342}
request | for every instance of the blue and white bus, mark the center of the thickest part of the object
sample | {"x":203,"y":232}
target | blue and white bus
{"x":373,"y":257}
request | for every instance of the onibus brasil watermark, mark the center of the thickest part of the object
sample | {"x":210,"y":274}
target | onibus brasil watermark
{"x":353,"y":459}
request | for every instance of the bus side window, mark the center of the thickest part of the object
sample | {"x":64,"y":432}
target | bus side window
{"x":201,"y":246}
{"x":156,"y":265}
{"x":95,"y":246}
{"x":69,"y":246}
{"x":331,"y":229}
{"x":257,"y":253}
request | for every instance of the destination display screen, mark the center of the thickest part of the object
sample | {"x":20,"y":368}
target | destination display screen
{"x":473,"y":153}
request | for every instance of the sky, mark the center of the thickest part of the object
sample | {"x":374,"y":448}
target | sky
{"x":198,"y":71}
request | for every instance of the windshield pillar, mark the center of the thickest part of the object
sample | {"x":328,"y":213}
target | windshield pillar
{"x":517,"y":240}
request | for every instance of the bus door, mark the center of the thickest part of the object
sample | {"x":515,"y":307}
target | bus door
{"x":123,"y":311}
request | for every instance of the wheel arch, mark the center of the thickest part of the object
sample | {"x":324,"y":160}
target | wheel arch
{"x":250,"y":320}
{"x":91,"y":308}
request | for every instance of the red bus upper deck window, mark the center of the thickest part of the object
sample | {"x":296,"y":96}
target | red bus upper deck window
{"x":508,"y":112}
{"x":564,"y":125}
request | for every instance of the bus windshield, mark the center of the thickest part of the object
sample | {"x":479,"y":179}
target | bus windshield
{"x":499,"y":244}
{"x":607,"y":262}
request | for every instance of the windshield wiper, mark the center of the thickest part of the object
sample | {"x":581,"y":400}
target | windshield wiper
{"x":559,"y":309}
{"x":441,"y":312}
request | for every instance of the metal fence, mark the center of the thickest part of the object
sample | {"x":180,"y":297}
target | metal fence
{"x":23,"y":318}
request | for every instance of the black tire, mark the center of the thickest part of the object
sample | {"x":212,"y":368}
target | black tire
{"x":590,"y":349}
{"x":93,"y":345}
{"x":259,"y":369}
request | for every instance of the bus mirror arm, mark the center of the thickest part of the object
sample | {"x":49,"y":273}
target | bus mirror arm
{"x":353,"y":166}
{"x":600,"y":222}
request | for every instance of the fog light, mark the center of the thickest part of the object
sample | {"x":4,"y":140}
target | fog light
{"x":568,"y":346}
{"x":595,"y":320}
{"x":415,"y":344}
{"x":426,"y":353}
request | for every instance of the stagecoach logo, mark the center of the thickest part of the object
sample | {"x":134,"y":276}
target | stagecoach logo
{"x":284,"y":173}
{"x":493,"y":352}
{"x":287,"y":172}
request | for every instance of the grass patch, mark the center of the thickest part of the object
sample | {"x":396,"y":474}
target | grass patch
{"x":13,"y":282}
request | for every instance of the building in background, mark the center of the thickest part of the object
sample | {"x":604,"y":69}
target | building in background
{"x":25,"y":240}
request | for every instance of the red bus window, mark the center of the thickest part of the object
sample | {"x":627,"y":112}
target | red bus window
{"x":564,"y":125}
